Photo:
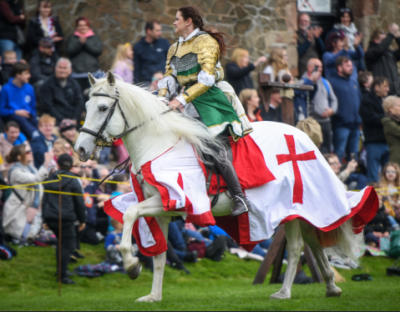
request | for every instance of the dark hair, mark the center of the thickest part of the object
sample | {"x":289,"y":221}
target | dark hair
{"x":376,"y":33}
{"x":332,"y":38}
{"x":121,"y":177}
{"x":192,"y":12}
{"x":150,"y":25}
{"x":378,"y":81}
{"x":363,"y":78}
{"x":11,"y":124}
{"x":342,"y":12}
{"x":79,"y":19}
{"x":19,"y":68}
{"x":17,"y":150}
{"x":47,"y":2}
{"x":329,"y":156}
{"x":341,"y":60}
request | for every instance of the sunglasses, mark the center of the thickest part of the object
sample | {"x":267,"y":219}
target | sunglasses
{"x":391,"y":171}
{"x":344,"y":10}
{"x":28,"y":152}
{"x":84,"y":167}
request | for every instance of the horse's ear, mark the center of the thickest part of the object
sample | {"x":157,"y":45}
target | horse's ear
{"x":110,"y":78}
{"x":92,"y":80}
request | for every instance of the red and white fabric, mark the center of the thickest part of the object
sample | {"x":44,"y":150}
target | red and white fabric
{"x":288,"y":176}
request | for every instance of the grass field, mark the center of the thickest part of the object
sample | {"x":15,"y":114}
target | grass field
{"x":28,"y":283}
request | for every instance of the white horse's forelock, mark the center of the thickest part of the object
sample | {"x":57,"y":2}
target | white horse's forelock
{"x":141,"y":106}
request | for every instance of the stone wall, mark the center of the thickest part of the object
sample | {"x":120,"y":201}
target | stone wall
{"x":253,"y":24}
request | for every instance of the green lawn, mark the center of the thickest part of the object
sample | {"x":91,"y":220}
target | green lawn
{"x":28,"y":283}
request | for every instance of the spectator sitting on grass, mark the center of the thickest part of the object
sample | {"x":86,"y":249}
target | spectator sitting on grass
{"x":21,"y":202}
{"x":18,"y":101}
{"x":379,"y":226}
{"x":9,"y":60}
{"x":73,"y":209}
{"x":10,"y":138}
{"x":43,"y":139}
{"x":390,"y":184}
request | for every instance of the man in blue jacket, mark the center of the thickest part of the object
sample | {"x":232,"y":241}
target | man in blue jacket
{"x":150,"y":53}
{"x":346,"y":122}
{"x":17,"y":100}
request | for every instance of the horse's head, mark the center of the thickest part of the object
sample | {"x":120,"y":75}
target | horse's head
{"x":104,"y":120}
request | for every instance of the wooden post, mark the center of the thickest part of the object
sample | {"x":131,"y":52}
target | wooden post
{"x":276,"y":251}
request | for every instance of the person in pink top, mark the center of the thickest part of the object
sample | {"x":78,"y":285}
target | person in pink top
{"x":123,"y":62}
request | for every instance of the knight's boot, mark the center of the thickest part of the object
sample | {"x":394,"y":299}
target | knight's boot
{"x":240,"y":202}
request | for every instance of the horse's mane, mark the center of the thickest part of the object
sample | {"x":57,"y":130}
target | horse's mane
{"x":140,"y":105}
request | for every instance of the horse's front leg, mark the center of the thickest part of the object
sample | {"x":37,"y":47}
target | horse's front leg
{"x":152,"y":204}
{"x":159,"y":265}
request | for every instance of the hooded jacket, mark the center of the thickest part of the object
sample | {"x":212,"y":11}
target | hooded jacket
{"x":382,"y":61}
{"x":13,"y":98}
{"x":72,"y":207}
{"x":371,"y":112}
{"x":348,"y":95}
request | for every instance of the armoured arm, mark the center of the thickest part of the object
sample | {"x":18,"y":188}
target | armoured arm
{"x":166,"y":86}
{"x":207,"y":50}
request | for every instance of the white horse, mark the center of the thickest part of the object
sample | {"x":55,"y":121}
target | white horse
{"x":158,"y":133}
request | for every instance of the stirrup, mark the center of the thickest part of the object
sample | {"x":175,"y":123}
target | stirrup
{"x":236,"y":198}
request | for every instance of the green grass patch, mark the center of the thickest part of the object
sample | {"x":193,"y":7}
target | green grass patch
{"x":28,"y":283}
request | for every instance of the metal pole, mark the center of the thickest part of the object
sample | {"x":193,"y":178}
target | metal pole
{"x":59,"y":243}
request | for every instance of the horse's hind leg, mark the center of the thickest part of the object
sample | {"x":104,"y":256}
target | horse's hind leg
{"x":311,"y":238}
{"x":294,"y":248}
{"x":159,"y":265}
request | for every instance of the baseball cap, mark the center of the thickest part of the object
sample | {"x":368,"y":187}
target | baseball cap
{"x":67,"y":124}
{"x":46,"y":43}
{"x":65,"y":161}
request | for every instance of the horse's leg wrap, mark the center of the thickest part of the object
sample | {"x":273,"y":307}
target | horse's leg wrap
{"x":294,"y":248}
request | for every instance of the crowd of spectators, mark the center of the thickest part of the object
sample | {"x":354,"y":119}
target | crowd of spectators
{"x":42,"y":98}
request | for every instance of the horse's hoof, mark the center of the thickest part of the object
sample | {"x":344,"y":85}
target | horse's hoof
{"x":280,"y":296}
{"x":149,"y":298}
{"x":134,"y":271}
{"x":336,"y":292}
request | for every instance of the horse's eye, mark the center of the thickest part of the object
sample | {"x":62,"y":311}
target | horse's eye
{"x":103,"y":108}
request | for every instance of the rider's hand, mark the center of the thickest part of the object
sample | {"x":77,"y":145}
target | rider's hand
{"x":174,"y":104}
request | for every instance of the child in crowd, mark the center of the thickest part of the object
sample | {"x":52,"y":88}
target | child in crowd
{"x":10,"y":58}
{"x":61,"y":146}
{"x":390,"y":183}
{"x":365,"y":80}
{"x":123,"y":63}
{"x":157,"y":76}
{"x":112,"y":242}
{"x":379,"y":226}
{"x":73,"y":209}
{"x":18,"y":101}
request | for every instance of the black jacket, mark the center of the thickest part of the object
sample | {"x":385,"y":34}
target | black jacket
{"x":239,"y":78}
{"x":8,"y":28}
{"x":371,"y":112}
{"x":35,"y":32}
{"x":381,"y":61}
{"x":380,"y":223}
{"x":72,"y":207}
{"x":5,"y":73}
{"x":42,"y":66}
{"x":84,"y":57}
{"x":61,"y":102}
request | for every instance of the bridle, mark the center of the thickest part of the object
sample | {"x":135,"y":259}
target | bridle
{"x":100,"y":140}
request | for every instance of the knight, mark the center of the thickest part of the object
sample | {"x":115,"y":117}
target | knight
{"x":193,"y":64}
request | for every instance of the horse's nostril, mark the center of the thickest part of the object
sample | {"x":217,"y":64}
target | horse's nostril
{"x":82,"y":151}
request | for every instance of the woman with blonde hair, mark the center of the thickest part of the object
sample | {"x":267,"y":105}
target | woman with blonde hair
{"x":123,"y":62}
{"x":391,"y":126}
{"x":251,"y":102}
{"x":238,"y":71}
{"x":277,"y":62}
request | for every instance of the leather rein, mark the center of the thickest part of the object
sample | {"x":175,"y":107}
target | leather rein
{"x":100,"y":140}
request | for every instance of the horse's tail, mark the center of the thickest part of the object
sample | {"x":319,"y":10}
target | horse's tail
{"x":342,"y":241}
